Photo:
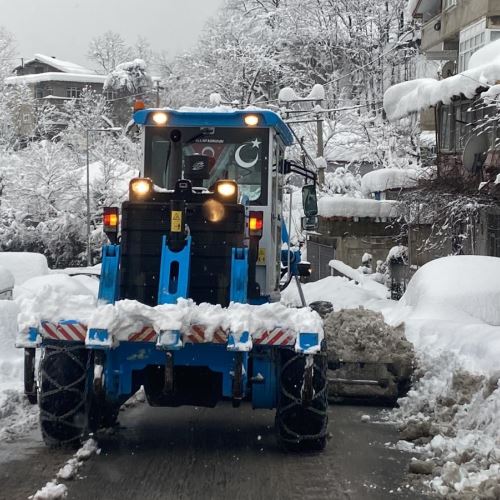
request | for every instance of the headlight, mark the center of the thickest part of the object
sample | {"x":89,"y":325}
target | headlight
{"x":213,"y":210}
{"x":251,"y":120}
{"x":159,"y":118}
{"x":226,"y":188}
{"x":141,"y":187}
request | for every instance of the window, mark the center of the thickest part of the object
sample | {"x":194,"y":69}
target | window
{"x":48,"y":91}
{"x":73,"y":92}
{"x":445,"y":128}
{"x":38,"y":92}
{"x":472,"y":38}
{"x":110,"y":95}
{"x":238,"y":154}
{"x":448,"y":4}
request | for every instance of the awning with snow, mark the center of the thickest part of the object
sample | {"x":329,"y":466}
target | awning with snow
{"x":415,"y":95}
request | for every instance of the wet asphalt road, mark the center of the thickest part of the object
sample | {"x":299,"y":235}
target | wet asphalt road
{"x":221,"y":453}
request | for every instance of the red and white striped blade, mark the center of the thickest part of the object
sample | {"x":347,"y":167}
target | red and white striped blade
{"x":196,"y":335}
{"x":73,"y":332}
{"x":276,"y":337}
{"x":147,"y":334}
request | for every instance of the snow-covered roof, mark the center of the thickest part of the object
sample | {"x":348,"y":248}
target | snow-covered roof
{"x":55,"y":77}
{"x":415,"y":95}
{"x":345,"y":206}
{"x":64,"y":66}
{"x":389,"y":178}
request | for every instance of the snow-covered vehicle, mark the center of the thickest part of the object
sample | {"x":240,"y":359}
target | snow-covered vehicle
{"x":188,"y":303}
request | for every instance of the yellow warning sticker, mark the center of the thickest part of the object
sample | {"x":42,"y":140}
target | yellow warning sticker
{"x":176,"y":221}
{"x":261,"y":259}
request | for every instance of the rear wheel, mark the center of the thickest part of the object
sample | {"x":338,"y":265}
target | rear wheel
{"x":302,"y":413}
{"x":67,"y":405}
{"x":30,"y":388}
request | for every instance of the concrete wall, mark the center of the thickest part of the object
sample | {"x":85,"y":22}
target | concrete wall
{"x":454,"y":19}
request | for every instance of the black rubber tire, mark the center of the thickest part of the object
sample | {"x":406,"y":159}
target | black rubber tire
{"x":30,"y":387}
{"x":67,"y":405}
{"x":301,"y":426}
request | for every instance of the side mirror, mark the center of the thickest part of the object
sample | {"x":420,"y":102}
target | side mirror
{"x":309,"y":223}
{"x":286,"y":167}
{"x":309,"y":200}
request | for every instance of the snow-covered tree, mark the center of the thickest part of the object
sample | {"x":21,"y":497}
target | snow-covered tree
{"x":129,"y":77}
{"x":108,"y":50}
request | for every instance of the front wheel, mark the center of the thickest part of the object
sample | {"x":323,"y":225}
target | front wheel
{"x":302,"y":413}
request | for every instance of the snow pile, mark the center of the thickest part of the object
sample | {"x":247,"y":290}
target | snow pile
{"x":6,"y":282}
{"x":54,"y":490}
{"x":452,"y":414}
{"x":51,"y":491}
{"x":341,"y":292}
{"x":346,"y":270}
{"x":343,"y":206}
{"x":53,"y":297}
{"x":389,"y":178}
{"x":24,"y":265}
{"x":70,"y":468}
{"x":17,"y":415}
{"x":11,"y":359}
{"x":409,"y":97}
{"x":362,"y":335}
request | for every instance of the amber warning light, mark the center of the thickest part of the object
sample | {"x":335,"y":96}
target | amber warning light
{"x":256,"y":223}
{"x":110,"y":221}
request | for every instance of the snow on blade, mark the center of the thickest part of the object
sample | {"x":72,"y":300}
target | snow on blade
{"x":129,"y":316}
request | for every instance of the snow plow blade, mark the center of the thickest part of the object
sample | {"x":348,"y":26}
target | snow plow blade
{"x":377,"y":382}
{"x":369,"y":361}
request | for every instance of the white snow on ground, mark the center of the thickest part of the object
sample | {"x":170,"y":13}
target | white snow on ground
{"x":51,"y":491}
{"x":24,"y":265}
{"x":30,"y":274}
{"x":452,"y":414}
{"x":341,"y":292}
{"x":408,"y":97}
{"x":16,"y":414}
{"x":54,"y":490}
{"x":344,"y":206}
{"x":6,"y":281}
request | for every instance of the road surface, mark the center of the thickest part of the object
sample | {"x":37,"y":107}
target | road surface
{"x":197,"y":453}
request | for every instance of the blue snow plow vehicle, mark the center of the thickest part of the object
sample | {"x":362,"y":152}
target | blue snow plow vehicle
{"x":188,"y":305}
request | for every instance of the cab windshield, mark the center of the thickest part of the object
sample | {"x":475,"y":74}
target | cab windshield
{"x":237,"y":154}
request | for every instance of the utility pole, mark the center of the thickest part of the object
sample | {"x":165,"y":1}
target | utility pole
{"x":157,"y":93}
{"x":320,"y":151}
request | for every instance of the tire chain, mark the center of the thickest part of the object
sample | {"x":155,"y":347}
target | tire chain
{"x":56,"y":349}
{"x":298,"y":402}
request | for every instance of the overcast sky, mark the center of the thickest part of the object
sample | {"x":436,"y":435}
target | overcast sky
{"x":63,"y":28}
